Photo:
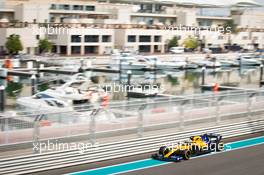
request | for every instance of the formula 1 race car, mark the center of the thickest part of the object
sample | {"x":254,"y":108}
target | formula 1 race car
{"x":197,"y":145}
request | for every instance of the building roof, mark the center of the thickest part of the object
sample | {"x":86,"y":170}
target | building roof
{"x":202,"y":3}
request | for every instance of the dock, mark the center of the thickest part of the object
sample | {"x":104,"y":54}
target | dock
{"x":29,"y":72}
{"x":221,"y":88}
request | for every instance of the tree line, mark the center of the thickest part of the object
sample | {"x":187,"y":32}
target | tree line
{"x":14,"y":45}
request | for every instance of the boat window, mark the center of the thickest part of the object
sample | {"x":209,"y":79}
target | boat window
{"x":141,"y":60}
{"x":49,"y":103}
{"x":75,"y":85}
{"x":80,"y":77}
{"x":93,"y":88}
{"x":41,"y":96}
{"x":59,"y":104}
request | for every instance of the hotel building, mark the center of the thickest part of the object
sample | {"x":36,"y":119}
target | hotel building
{"x":84,"y":27}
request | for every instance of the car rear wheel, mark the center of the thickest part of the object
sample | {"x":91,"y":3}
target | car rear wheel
{"x":162,"y":149}
{"x":186,"y":155}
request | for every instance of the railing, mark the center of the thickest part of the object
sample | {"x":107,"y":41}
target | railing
{"x":111,"y":26}
{"x":29,"y":164}
{"x":136,"y":117}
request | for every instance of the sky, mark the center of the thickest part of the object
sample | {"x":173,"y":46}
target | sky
{"x":261,"y":2}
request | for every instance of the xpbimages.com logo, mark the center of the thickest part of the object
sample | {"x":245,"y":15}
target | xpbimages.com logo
{"x":46,"y":146}
{"x":191,"y":146}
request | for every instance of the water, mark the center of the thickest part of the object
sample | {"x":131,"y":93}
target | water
{"x":181,"y":82}
{"x":187,"y":82}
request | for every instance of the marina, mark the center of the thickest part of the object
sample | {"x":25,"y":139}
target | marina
{"x":169,"y":75}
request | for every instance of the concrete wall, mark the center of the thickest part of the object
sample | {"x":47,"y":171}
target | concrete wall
{"x":64,"y":39}
{"x":28,"y":39}
{"x":30,"y":12}
{"x":249,"y":18}
{"x":186,"y":17}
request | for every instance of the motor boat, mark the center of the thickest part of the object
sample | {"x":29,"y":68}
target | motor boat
{"x":185,"y":63}
{"x":76,"y":77}
{"x":78,"y":92}
{"x":228,"y":63}
{"x":127,"y":63}
{"x":154,"y":62}
{"x":207,"y":63}
{"x":190,"y":65}
{"x":73,"y":99}
{"x":73,"y":64}
{"x":152,"y":75}
{"x":59,"y":111}
{"x":247,"y":60}
{"x":43,"y":102}
{"x":180,"y":64}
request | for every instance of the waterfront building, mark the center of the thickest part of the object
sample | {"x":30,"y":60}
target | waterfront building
{"x":85,"y":27}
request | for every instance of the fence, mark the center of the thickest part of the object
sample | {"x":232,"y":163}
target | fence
{"x":44,"y":161}
{"x":135,"y":117}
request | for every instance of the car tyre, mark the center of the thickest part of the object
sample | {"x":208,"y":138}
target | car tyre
{"x":186,"y":155}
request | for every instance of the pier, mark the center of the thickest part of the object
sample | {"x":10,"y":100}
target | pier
{"x":54,"y":70}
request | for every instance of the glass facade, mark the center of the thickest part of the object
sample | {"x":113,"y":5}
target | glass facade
{"x":157,"y":38}
{"x":143,"y":48}
{"x":90,"y":8}
{"x":64,"y":7}
{"x":76,"y":49}
{"x":75,"y":38}
{"x":70,"y":7}
{"x":213,"y":12}
{"x":144,"y":38}
{"x":77,"y":7}
{"x":91,"y":38}
{"x":131,"y":38}
{"x":106,"y":38}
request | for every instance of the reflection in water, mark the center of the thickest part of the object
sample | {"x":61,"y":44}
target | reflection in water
{"x":173,"y":82}
{"x":43,"y":86}
{"x":13,"y":89}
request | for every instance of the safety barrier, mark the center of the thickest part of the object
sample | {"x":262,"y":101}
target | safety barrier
{"x":61,"y":159}
{"x":133,"y":117}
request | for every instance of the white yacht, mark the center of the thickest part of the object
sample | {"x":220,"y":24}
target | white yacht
{"x":207,"y":63}
{"x":248,"y":61}
{"x":59,"y":111}
{"x":185,"y":63}
{"x":77,"y":77}
{"x":77,"y":92}
{"x":155,"y":62}
{"x":73,"y":64}
{"x":127,"y":63}
{"x":43,"y":102}
{"x":228,"y":63}
{"x":190,"y":65}
{"x":152,"y":75}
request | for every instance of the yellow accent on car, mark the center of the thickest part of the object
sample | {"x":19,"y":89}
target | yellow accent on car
{"x":196,"y":141}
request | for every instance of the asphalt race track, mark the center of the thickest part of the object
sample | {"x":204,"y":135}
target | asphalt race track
{"x":246,"y":161}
